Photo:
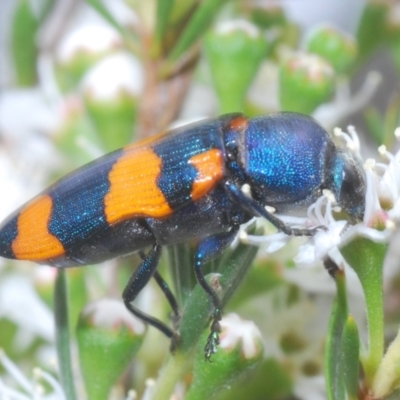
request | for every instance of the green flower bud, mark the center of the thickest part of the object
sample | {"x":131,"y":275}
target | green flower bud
{"x":108,"y":337}
{"x":240,"y":348}
{"x":234,"y":50}
{"x":306,"y":81}
{"x":76,"y":137}
{"x":80,"y":50}
{"x":338,"y":48}
{"x":111,"y":95}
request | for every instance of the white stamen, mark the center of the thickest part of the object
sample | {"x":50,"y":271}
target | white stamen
{"x":382,"y":150}
{"x":131,"y":395}
{"x":40,"y":374}
{"x":12,"y":369}
{"x":354,"y":138}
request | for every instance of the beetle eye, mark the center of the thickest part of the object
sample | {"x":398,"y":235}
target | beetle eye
{"x":352,"y":191}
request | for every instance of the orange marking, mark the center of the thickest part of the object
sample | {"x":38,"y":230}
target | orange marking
{"x":210,"y":167}
{"x":133,"y":186}
{"x":34,"y":241}
{"x":239,"y":124}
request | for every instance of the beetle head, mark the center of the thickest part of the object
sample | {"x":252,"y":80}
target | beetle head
{"x":347,"y":181}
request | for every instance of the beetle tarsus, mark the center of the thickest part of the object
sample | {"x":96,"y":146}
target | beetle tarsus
{"x":211,"y":346}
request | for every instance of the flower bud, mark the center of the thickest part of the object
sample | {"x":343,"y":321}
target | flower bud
{"x":111,"y":92}
{"x":338,"y":48}
{"x":80,"y":50}
{"x":108,"y":337}
{"x":234,"y":50}
{"x":306,"y":81}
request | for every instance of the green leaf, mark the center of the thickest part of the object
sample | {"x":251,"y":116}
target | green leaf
{"x":63,"y":344}
{"x":366,"y":258}
{"x":334,"y":376}
{"x":99,"y":6}
{"x":164,"y":8}
{"x":196,"y":27}
{"x":180,"y":261}
{"x":351,"y":357}
{"x":372,"y":28}
{"x":387,"y":377}
{"x":271,"y":380}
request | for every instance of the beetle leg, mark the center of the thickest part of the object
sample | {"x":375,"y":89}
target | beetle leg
{"x":331,"y":266}
{"x":208,"y":249}
{"x":170,"y":297}
{"x":251,"y":206}
{"x":167,"y":293}
{"x":137,"y":282}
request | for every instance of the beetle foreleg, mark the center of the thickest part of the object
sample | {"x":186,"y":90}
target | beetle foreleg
{"x":251,"y":206}
{"x":208,"y":249}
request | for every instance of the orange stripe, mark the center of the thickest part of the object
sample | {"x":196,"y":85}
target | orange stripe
{"x":34,"y":241}
{"x":239,"y":124}
{"x":133,"y":187}
{"x":210,"y":167}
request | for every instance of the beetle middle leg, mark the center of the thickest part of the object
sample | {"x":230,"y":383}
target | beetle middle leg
{"x":138,"y":280}
{"x":209,"y":248}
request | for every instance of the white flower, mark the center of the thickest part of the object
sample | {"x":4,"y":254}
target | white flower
{"x":235,"y":330}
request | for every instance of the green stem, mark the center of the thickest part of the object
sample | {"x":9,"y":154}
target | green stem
{"x":62,"y":335}
{"x":366,"y":258}
{"x":172,"y":372}
{"x":374,"y":305}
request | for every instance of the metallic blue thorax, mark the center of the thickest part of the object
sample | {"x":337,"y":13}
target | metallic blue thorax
{"x":284,"y":161}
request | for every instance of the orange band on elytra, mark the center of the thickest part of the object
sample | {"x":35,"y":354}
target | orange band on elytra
{"x":34,"y":241}
{"x":210,"y":168}
{"x":133,"y":187}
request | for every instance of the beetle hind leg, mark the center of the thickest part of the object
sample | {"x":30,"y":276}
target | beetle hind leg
{"x":138,"y":280}
{"x":170,"y":297}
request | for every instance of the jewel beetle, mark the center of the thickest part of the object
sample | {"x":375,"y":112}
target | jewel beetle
{"x":181,"y":185}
